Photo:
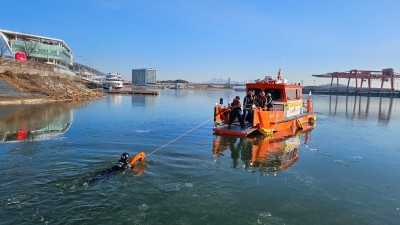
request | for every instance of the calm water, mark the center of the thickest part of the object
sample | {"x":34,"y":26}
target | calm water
{"x":345,"y":171}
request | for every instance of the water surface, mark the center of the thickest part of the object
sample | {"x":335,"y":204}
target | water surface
{"x":344,"y":171}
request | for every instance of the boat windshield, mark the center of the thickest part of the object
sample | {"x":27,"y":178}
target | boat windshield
{"x":293,"y":94}
{"x":276,"y":94}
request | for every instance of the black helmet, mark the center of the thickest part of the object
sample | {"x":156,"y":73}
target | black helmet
{"x":125,"y":157}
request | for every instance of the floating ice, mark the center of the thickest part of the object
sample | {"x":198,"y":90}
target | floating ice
{"x":189,"y":185}
{"x":338,"y":161}
{"x":142,"y":131}
{"x":143,"y":207}
{"x":265,"y":214}
{"x":171,"y":187}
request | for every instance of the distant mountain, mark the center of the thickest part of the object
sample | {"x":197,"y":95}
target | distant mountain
{"x":216,"y":81}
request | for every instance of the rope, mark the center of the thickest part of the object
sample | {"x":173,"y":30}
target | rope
{"x":196,"y":127}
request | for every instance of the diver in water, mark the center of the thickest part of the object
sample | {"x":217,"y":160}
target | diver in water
{"x":123,"y":163}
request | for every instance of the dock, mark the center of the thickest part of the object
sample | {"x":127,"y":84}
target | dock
{"x":386,"y":75}
{"x":133,"y":92}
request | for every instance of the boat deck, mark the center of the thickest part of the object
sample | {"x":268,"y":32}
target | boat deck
{"x":235,"y":129}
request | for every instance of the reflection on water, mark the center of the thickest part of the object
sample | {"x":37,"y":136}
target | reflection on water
{"x":362,"y":107}
{"x":148,"y":101}
{"x":262,"y":153}
{"x":114,"y":100}
{"x":35,"y":122}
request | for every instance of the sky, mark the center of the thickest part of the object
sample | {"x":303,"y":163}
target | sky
{"x":198,"y":40}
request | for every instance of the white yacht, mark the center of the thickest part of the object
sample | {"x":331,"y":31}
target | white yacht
{"x":113,"y":81}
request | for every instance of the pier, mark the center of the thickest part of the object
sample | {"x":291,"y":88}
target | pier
{"x":133,"y":92}
{"x":386,"y":75}
{"x":344,"y":92}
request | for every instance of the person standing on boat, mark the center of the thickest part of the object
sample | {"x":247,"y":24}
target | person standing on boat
{"x":235,"y":112}
{"x":248,"y":102}
{"x":262,"y":100}
{"x":270,"y":102}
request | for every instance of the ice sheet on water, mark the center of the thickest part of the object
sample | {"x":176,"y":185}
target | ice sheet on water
{"x":141,"y":131}
{"x":171,"y":187}
{"x":265,"y":214}
{"x":189,"y":185}
{"x":143,"y":206}
{"x":339,"y":161}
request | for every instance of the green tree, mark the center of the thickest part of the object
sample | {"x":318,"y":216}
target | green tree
{"x":28,"y":47}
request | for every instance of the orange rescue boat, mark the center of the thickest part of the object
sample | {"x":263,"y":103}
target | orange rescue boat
{"x":289,"y":110}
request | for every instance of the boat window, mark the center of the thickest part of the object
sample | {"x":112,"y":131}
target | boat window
{"x":293,"y":94}
{"x":289,"y":94}
{"x":298,"y":94}
{"x":276,"y":94}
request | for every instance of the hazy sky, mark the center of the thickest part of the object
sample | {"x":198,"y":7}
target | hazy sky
{"x":198,"y":40}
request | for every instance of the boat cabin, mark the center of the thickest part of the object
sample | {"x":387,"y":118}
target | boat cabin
{"x":286,"y":97}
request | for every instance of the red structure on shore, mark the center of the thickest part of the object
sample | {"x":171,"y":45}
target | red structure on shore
{"x":363,"y":75}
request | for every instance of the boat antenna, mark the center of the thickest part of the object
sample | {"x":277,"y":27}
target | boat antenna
{"x":279,"y":74}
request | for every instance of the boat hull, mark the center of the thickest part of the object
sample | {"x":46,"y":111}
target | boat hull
{"x":112,"y":87}
{"x":266,"y":122}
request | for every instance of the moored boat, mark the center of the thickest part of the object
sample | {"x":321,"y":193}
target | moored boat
{"x":289,"y":110}
{"x":113,"y":81}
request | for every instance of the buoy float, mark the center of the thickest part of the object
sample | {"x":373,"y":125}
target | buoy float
{"x":138,"y":157}
{"x":299,"y":124}
{"x":266,"y":132}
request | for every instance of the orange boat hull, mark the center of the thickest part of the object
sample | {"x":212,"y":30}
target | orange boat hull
{"x":263,"y":121}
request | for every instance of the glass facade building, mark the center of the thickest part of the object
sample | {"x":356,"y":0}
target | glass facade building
{"x":43,"y":49}
{"x":146,"y":76}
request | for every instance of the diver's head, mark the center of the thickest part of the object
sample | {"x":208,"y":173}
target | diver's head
{"x":125,"y":157}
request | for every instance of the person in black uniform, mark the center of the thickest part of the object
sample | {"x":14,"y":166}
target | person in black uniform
{"x":270,"y":102}
{"x":235,"y":112}
{"x":262,"y":100}
{"x":248,"y":102}
{"x":122,"y":164}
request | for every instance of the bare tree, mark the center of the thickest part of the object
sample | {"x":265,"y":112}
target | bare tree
{"x":28,"y":47}
{"x":3,"y":48}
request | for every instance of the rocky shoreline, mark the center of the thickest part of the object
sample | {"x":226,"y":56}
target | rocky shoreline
{"x":40,"y":86}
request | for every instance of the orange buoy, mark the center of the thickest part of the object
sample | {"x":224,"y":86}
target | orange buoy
{"x":138,"y":157}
